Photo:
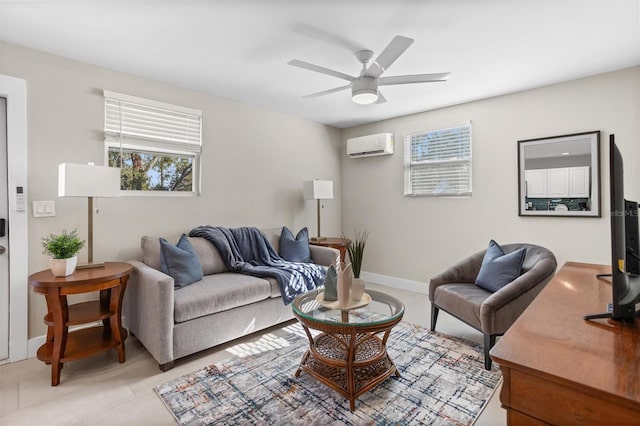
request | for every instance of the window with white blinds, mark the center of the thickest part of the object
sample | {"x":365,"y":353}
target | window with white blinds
{"x":438,"y":162}
{"x":156,"y":145}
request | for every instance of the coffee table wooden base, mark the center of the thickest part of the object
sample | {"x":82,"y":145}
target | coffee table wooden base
{"x":350,"y":364}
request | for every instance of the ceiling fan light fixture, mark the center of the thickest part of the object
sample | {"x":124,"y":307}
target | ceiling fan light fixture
{"x":364,"y":87}
{"x":365,"y":96}
{"x":364,"y":90}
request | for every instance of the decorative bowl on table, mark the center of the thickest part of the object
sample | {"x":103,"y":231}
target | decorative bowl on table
{"x":335,"y":304}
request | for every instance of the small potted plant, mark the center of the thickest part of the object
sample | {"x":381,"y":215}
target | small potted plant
{"x":356,"y":253}
{"x":63,"y":250}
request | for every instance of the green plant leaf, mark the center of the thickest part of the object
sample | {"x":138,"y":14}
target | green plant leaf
{"x":62,"y":246}
{"x":356,"y":250}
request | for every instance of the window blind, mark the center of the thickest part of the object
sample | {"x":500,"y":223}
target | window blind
{"x":438,"y":162}
{"x":130,"y":117}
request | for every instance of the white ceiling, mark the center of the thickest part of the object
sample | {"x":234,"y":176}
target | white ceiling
{"x":240,"y":49}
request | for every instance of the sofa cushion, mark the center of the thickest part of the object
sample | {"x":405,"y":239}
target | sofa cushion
{"x":180,"y":262}
{"x":499,"y":269}
{"x":295,"y":249}
{"x":275,"y":288}
{"x":208,"y":255}
{"x":217,"y":293}
{"x":273,"y":236}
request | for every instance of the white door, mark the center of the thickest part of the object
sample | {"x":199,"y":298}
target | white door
{"x":4,"y":236}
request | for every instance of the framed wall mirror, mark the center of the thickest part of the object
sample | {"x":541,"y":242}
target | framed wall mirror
{"x":560,"y":176}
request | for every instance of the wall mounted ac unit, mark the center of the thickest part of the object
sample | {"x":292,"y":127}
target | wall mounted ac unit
{"x":368,"y":146}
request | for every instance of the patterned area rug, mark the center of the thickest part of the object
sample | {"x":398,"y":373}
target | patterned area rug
{"x":443,"y":383}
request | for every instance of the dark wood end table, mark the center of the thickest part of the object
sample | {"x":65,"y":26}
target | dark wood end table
{"x":63,"y":346}
{"x":333,"y":242}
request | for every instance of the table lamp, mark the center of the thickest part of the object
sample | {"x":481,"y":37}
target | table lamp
{"x":87,"y":180}
{"x":318,"y":190}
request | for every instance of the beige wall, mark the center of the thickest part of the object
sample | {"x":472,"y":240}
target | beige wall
{"x":415,"y":238}
{"x":254,"y":162}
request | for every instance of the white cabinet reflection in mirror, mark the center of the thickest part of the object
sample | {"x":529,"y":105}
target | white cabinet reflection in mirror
{"x":560,"y":176}
{"x":559,"y":182}
{"x":536,"y":183}
{"x":579,"y":182}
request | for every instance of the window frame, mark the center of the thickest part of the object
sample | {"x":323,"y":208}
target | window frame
{"x":155,"y":146}
{"x":408,"y":181}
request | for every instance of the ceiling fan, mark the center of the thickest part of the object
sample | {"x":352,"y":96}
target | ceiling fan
{"x":364,"y":88}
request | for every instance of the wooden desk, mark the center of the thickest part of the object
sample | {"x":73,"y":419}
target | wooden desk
{"x":61,"y":345}
{"x":559,"y":368}
{"x":334,"y":242}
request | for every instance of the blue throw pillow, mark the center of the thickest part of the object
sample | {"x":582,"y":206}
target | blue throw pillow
{"x":180,"y":262}
{"x":499,"y":269}
{"x":295,"y":249}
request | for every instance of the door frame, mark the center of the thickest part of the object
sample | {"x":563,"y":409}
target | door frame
{"x":15,"y":91}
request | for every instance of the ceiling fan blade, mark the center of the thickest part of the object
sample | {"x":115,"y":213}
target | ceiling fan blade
{"x":318,"y":68}
{"x":381,"y":99}
{"x":416,"y":78}
{"x":327,"y":92}
{"x":389,"y":55}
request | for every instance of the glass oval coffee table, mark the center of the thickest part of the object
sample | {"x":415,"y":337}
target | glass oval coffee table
{"x":348,"y":355}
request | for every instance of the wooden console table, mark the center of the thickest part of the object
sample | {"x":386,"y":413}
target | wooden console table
{"x":63,"y":346}
{"x":561,"y":369}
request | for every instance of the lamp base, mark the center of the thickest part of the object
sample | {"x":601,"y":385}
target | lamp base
{"x":318,"y":238}
{"x":91,"y":265}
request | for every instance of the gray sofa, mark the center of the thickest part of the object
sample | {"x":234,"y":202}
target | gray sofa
{"x":221,"y":307}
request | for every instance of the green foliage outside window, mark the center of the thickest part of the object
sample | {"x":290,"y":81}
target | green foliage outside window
{"x":149,"y":171}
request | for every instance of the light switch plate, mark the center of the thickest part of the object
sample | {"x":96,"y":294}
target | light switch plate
{"x":44,"y":208}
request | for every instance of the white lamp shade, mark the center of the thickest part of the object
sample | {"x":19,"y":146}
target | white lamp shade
{"x":84,"y":180}
{"x":318,"y":190}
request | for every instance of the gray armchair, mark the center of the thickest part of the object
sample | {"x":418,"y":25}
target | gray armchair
{"x":454,"y":291}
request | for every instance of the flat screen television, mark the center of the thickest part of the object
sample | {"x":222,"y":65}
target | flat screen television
{"x":631,"y":237}
{"x":625,"y":287}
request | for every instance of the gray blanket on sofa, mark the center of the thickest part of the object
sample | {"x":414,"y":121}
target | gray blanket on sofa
{"x":247,"y":251}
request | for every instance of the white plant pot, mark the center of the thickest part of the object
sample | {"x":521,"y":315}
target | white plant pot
{"x":357,"y":289}
{"x":63,"y":267}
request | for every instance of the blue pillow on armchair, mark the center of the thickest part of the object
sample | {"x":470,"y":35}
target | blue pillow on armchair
{"x":180,"y":262}
{"x":295,"y":249}
{"x":499,"y":269}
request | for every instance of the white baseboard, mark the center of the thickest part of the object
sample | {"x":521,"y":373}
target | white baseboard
{"x":34,"y":344}
{"x":400,"y":283}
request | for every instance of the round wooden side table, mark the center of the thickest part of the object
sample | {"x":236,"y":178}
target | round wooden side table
{"x":348,"y":355}
{"x":63,"y":346}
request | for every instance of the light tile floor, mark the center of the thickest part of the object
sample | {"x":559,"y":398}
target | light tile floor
{"x":100,"y":391}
